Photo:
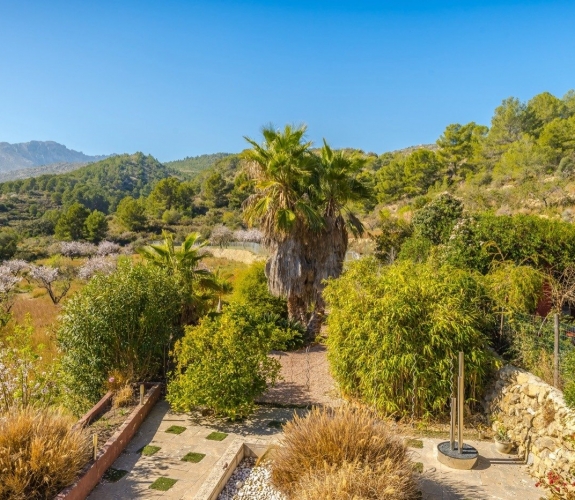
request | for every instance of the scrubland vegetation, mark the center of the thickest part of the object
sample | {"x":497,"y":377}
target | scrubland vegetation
{"x":111,"y":261}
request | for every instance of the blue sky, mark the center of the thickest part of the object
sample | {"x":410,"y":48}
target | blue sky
{"x":177,"y":78}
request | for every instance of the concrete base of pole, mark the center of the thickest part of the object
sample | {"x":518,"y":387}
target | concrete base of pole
{"x":455,"y":460}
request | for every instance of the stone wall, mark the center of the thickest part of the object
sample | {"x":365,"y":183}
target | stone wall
{"x":536,"y":418}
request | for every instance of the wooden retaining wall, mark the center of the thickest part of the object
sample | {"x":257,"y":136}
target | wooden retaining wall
{"x":112,"y":448}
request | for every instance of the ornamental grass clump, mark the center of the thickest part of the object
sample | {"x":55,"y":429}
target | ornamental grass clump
{"x":342,"y":454}
{"x":40,"y":453}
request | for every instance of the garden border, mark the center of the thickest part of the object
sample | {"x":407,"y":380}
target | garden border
{"x":226,"y":465}
{"x":92,"y":474}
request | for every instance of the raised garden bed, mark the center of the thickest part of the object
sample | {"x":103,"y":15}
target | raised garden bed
{"x":108,"y":452}
{"x":108,"y":422}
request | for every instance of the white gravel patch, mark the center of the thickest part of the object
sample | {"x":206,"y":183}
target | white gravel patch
{"x":249,"y":482}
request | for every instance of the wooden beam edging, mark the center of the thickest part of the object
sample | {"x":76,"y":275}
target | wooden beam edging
{"x":111,"y":449}
{"x":96,"y":410}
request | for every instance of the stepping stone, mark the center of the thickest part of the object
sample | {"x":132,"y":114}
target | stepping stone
{"x":114,"y":475}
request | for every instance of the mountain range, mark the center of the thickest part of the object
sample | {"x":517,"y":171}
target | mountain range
{"x":38,"y":153}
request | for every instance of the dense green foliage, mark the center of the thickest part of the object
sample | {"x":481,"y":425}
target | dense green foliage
{"x":98,"y":186}
{"x":394,"y":331}
{"x":223,"y":363}
{"x":251,"y":291}
{"x":123,"y":322}
{"x":8,"y":242}
{"x":523,"y":239}
{"x":191,"y":166}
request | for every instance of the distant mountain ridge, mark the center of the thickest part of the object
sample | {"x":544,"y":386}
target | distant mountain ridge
{"x":52,"y":168}
{"x":37,"y":153}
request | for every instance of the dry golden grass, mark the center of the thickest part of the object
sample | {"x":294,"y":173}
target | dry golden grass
{"x":123,"y":397}
{"x":40,"y":453}
{"x":354,"y":481}
{"x":338,"y":449}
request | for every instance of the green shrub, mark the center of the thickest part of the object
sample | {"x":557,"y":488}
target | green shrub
{"x":223,"y":363}
{"x":251,"y":291}
{"x":523,"y":239}
{"x":8,"y":243}
{"x":394,"y":331}
{"x":125,"y":322}
{"x":436,"y":219}
{"x":24,"y":381}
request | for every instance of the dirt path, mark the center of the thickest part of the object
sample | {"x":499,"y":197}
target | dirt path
{"x":306,"y":379}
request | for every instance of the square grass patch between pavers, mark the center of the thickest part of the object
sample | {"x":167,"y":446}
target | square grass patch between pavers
{"x":193,"y":457}
{"x":414,"y":443}
{"x":175,"y":429}
{"x":114,"y":475}
{"x":217,"y":436}
{"x":149,"y":450}
{"x":163,"y":484}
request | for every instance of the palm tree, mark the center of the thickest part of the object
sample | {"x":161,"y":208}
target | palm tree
{"x":301,"y":202}
{"x":336,"y":187}
{"x":220,"y":285}
{"x":282,"y":167}
{"x":184,"y":263}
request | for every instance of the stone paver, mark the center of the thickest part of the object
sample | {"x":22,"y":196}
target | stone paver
{"x":144,"y":470}
{"x":494,"y":476}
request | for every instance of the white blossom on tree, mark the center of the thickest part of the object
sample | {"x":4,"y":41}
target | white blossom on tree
{"x":7,"y":280}
{"x":221,"y":236}
{"x":97,"y":265}
{"x":248,"y":236}
{"x":16,"y":266}
{"x":77,"y":249}
{"x":52,"y":280}
{"x":108,"y":248}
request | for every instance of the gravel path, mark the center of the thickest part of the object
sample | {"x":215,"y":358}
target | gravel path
{"x":249,"y":482}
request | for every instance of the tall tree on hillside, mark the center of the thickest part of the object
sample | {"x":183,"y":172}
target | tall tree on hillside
{"x":458,"y":148}
{"x":71,"y":224}
{"x":510,"y":120}
{"x":301,"y":204}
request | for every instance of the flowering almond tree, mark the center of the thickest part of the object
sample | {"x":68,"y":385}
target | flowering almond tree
{"x":55,"y":282}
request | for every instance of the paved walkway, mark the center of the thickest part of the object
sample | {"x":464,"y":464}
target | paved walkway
{"x":494,"y":476}
{"x":167,"y":461}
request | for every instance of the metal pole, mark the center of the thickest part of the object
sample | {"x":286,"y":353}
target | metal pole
{"x":556,"y":352}
{"x":460,"y":397}
{"x":95,"y":443}
{"x":452,"y":427}
{"x":142,"y":390}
